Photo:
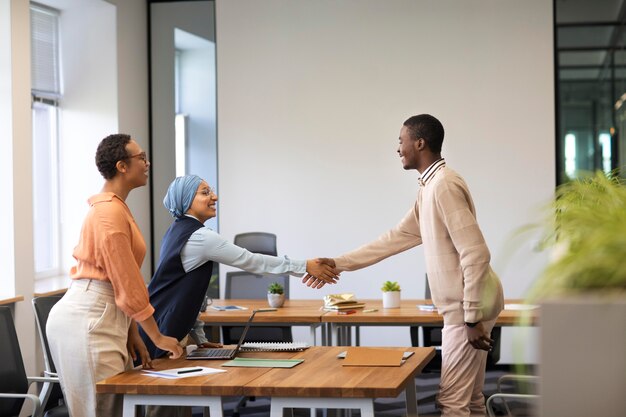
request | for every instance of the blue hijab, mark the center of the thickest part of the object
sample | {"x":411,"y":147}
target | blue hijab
{"x":180,"y":194}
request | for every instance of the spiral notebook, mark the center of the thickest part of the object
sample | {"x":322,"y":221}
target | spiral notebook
{"x":274,"y":346}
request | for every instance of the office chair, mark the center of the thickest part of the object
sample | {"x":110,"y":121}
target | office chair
{"x":246,"y":285}
{"x":525,"y":382}
{"x":257,"y":242}
{"x":51,"y":394}
{"x":13,"y":380}
{"x":254,"y":286}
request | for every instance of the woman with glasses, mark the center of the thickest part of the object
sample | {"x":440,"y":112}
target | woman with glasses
{"x":92,"y":331}
{"x":188,"y":251}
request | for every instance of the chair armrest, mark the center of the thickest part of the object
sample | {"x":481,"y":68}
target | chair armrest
{"x":518,"y":378}
{"x":505,"y":397}
{"x":35,"y":400}
{"x":53,"y":379}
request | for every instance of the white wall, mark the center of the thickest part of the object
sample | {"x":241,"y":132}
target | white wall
{"x":196,"y":18}
{"x":131,"y":66}
{"x":89,"y":108}
{"x":21,"y":196}
{"x":7,"y":281}
{"x":198,"y":101}
{"x":132,"y":100}
{"x":311,"y":98}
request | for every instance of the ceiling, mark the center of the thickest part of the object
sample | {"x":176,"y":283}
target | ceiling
{"x":590,"y":34}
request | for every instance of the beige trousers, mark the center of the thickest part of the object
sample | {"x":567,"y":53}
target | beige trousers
{"x":87,"y":334}
{"x":462,"y":374}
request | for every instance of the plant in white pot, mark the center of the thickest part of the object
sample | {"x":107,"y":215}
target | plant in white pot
{"x":582,"y":294}
{"x":391,"y":294}
{"x":275,"y":295}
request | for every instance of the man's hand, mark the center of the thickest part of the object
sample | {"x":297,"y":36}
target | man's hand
{"x":136,"y":347}
{"x":478,"y":337}
{"x":320,"y":271}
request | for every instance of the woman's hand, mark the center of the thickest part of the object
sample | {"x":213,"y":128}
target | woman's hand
{"x":210,"y":345}
{"x":170,"y":345}
{"x":320,"y":271}
{"x":136,"y":347}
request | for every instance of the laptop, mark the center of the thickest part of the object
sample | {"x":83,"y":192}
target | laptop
{"x":221,"y":353}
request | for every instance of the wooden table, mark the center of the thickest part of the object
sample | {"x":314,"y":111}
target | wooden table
{"x":293,"y":313}
{"x":407,"y":315}
{"x":322,"y":382}
{"x":203,"y":391}
{"x":319,"y":382}
{"x":309,"y":313}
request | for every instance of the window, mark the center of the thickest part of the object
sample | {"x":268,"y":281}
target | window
{"x":605,"y":146}
{"x":570,"y":155}
{"x":180,"y":121}
{"x":46,"y":90}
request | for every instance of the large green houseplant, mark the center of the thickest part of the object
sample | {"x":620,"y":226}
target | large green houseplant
{"x":582,"y":293}
{"x":586,"y":228}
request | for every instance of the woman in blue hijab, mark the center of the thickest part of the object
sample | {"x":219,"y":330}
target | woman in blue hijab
{"x":188,"y":251}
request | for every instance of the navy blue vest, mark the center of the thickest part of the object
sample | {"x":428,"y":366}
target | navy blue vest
{"x":176,"y":295}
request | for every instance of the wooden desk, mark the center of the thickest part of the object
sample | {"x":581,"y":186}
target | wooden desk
{"x":407,"y":315}
{"x":320,"y":375}
{"x":202,"y":391}
{"x":309,"y":312}
{"x":322,"y":382}
{"x":293,"y":313}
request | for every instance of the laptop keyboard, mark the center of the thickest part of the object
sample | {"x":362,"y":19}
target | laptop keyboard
{"x":211,"y":353}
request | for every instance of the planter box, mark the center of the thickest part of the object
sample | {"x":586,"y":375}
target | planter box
{"x":582,"y":351}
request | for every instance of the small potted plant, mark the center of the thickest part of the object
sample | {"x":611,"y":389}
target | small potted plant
{"x":275,"y":295}
{"x":391,"y":294}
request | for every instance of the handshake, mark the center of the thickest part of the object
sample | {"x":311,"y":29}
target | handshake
{"x":320,"y":271}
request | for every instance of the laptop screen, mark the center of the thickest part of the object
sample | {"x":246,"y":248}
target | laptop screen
{"x":245,"y":330}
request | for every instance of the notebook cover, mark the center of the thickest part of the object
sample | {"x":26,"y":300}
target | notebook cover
{"x":362,"y":356}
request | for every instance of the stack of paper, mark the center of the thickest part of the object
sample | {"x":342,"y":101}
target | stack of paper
{"x":335,"y":302}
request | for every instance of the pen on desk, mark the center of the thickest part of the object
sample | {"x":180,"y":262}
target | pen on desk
{"x":187,"y":371}
{"x":370,"y":310}
{"x":265,"y":309}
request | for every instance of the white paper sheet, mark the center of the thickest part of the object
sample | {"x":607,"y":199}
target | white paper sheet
{"x":186,"y":372}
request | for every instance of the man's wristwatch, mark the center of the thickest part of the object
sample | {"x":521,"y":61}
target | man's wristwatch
{"x":471,"y":324}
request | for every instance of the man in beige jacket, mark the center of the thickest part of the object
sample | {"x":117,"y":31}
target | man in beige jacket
{"x":464,"y":288}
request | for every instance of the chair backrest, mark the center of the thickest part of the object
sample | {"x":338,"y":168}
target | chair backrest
{"x":42,"y":307}
{"x":257,"y":242}
{"x":12,"y":373}
{"x":254,"y":286}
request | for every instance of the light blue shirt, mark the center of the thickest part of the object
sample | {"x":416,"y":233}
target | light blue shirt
{"x":205,"y":245}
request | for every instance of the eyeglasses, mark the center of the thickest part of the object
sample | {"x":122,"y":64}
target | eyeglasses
{"x":142,"y":156}
{"x":207,"y":191}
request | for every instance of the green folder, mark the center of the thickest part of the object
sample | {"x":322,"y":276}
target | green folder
{"x":264,"y":363}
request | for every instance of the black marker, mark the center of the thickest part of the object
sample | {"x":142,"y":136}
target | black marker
{"x":186,"y":371}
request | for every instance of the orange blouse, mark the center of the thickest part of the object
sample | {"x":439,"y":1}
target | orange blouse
{"x":111,"y":248}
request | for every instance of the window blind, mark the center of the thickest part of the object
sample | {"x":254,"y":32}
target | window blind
{"x":44,"y":25}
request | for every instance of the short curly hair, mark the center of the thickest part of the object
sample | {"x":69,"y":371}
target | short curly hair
{"x":428,"y":128}
{"x":110,"y":150}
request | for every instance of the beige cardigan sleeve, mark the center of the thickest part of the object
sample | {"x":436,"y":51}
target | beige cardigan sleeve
{"x":403,"y":236}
